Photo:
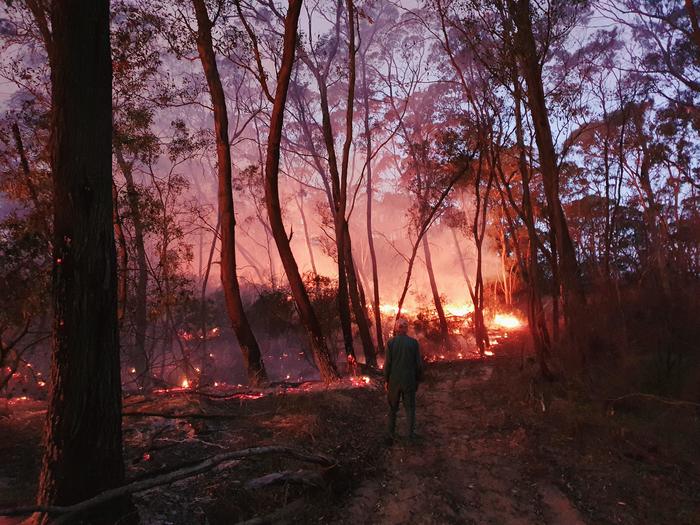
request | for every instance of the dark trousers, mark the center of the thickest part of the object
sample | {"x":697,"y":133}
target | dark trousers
{"x":409,"y":404}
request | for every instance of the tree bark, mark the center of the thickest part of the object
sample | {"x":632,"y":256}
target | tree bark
{"x":307,"y":315}
{"x":227,"y":218}
{"x":83,"y":454}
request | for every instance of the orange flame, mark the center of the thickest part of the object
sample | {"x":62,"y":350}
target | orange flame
{"x":507,"y":321}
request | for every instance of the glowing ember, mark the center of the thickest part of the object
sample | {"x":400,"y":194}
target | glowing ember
{"x":185,"y":383}
{"x":146,"y":456}
{"x":133,"y":370}
{"x":507,"y":321}
{"x":361,"y":380}
{"x":488,"y":353}
{"x":16,"y":400}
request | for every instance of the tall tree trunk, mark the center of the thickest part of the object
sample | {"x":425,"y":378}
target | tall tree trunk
{"x":444,"y":331}
{"x":573,"y":291}
{"x":370,"y":197}
{"x":208,"y":365}
{"x":338,"y":185}
{"x":358,"y":305}
{"x":307,"y":315}
{"x":84,"y":412}
{"x":339,"y":177}
{"x":139,"y":356}
{"x":478,"y":231}
{"x":536,"y":316}
{"x":227,"y":218}
{"x":465,"y":274}
{"x":654,"y":225}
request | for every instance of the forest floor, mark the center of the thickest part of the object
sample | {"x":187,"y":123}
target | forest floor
{"x":488,"y":454}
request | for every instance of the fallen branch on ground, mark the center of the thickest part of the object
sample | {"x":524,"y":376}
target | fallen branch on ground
{"x":312,"y":478}
{"x":66,"y":512}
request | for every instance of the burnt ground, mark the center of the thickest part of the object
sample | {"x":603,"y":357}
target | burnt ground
{"x":487,"y":454}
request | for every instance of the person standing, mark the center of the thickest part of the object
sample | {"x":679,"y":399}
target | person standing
{"x":403,"y":370}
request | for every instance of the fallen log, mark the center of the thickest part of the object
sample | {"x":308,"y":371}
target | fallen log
{"x":68,"y":512}
{"x":312,"y":478}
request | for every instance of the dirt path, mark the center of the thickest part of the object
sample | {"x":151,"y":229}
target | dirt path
{"x":472,"y":464}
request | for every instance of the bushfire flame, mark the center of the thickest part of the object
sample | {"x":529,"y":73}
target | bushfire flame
{"x":507,"y":321}
{"x":458,"y":310}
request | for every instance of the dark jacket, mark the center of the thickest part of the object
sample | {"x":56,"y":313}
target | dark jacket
{"x":403,"y":367}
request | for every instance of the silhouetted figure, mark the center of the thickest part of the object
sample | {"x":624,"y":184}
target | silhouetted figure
{"x":403,"y":371}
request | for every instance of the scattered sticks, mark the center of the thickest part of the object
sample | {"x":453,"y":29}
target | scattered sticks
{"x":66,"y":513}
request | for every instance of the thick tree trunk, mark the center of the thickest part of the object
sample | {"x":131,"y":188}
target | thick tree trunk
{"x":83,"y":454}
{"x":307,"y":315}
{"x":227,"y":218}
{"x":139,"y":356}
{"x":444,"y":331}
{"x":358,"y":305}
{"x":573,"y":291}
